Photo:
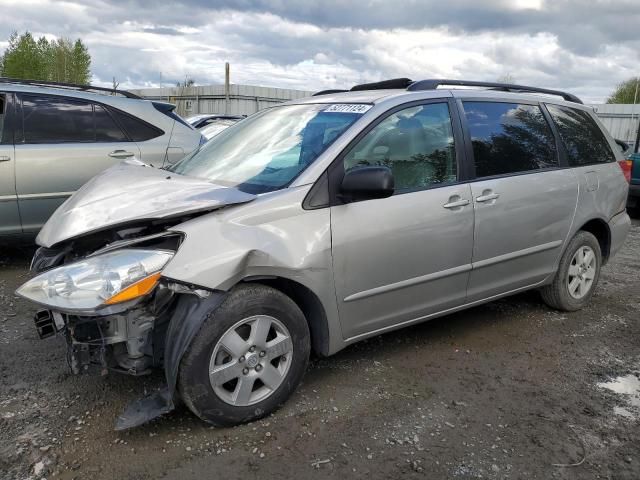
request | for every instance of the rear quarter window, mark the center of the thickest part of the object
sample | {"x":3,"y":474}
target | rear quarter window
{"x":138,"y":130}
{"x":584,"y":142}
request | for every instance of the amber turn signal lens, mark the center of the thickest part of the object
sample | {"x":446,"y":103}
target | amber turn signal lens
{"x":138,"y":289}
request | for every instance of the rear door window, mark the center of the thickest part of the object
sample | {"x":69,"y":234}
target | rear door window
{"x":584,"y":142}
{"x":416,"y":144}
{"x":509,"y":138}
{"x":56,"y":120}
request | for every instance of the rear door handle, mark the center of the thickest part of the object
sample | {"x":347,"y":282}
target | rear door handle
{"x":488,"y":197}
{"x":121,"y":154}
{"x":4,"y":158}
{"x":457,"y":203}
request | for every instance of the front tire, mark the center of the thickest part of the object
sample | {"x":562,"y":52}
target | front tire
{"x":248,"y":357}
{"x":577,"y":275}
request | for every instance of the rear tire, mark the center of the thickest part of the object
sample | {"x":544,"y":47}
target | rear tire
{"x":577,"y":275}
{"x":248,"y":358}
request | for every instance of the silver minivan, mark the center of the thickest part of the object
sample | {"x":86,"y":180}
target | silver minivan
{"x":54,"y":137}
{"x":323,"y":221}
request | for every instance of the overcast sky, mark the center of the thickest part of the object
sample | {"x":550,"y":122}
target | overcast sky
{"x":584,"y":46}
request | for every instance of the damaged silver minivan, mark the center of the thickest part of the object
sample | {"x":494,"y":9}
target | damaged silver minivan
{"x":320,"y":222}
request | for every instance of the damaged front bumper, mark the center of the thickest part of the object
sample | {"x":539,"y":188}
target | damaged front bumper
{"x":150,"y":329}
{"x":155,"y":333}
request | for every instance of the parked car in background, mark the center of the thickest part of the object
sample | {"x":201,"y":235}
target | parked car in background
{"x":633,"y":202}
{"x":323,"y":221}
{"x":55,"y":137}
{"x":202,"y":120}
{"x":217,"y":126}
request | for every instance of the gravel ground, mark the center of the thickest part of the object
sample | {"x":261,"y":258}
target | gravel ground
{"x":510,"y":389}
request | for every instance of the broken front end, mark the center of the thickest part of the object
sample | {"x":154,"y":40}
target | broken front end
{"x":117,"y":312}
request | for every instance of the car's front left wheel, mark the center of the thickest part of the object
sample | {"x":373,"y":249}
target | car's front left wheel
{"x":248,"y":357}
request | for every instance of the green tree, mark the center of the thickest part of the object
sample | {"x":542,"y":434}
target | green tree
{"x":22,"y":58}
{"x":626,"y":92}
{"x":58,"y":60}
{"x":80,"y":64}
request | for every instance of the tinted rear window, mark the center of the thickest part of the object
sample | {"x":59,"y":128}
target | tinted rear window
{"x":106,"y":128}
{"x":583,"y":140}
{"x":509,"y":138}
{"x":138,"y":130}
{"x":55,"y":120}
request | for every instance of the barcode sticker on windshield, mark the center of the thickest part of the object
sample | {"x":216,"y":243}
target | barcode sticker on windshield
{"x":347,"y":108}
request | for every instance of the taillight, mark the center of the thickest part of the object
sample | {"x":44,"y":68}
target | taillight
{"x":626,"y":166}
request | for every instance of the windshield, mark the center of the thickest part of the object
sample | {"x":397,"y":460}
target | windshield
{"x":216,"y":127}
{"x":268,"y":150}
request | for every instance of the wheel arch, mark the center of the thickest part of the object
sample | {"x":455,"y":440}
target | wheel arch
{"x":311,"y":307}
{"x":599,"y":229}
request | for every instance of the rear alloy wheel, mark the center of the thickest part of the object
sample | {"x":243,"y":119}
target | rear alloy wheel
{"x":581,"y":272}
{"x":248,"y":357}
{"x":577,"y":274}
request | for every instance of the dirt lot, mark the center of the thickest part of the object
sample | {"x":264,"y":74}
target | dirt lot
{"x":507,"y":390}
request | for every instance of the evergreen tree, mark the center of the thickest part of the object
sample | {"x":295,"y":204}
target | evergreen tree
{"x":626,"y":92}
{"x":80,"y":64}
{"x":60,"y":60}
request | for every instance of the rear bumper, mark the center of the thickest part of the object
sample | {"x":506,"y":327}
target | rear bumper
{"x":619,"y":227}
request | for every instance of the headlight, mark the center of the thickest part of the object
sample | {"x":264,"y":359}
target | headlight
{"x":103,"y":280}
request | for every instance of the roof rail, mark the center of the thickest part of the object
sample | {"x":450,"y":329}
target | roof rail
{"x":70,"y":86}
{"x":432,"y":84}
{"x":328,"y":92}
{"x":384,"y":84}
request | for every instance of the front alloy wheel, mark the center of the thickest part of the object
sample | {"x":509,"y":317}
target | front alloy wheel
{"x":248,"y":357}
{"x":251,"y":360}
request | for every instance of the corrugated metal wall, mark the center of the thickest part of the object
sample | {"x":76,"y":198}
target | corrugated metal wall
{"x":620,"y":119}
{"x":243,"y":99}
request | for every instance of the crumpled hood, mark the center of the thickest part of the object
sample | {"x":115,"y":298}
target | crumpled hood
{"x":133,"y":191}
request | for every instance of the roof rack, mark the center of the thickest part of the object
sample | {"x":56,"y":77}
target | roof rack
{"x":384,"y":84}
{"x":432,"y":84}
{"x":70,"y":86}
{"x":328,"y":92}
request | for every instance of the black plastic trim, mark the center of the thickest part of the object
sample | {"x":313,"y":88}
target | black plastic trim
{"x":433,"y":84}
{"x":69,"y":86}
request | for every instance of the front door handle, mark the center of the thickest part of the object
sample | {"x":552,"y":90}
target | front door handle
{"x":487,"y":197}
{"x":121,"y":154}
{"x":4,"y":158}
{"x":457,"y":203}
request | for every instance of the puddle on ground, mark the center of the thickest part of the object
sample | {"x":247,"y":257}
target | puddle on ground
{"x":628,"y":387}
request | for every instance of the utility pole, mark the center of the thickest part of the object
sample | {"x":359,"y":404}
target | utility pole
{"x":226,"y":87}
{"x":635,"y":99}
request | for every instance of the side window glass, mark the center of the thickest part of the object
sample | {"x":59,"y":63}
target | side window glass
{"x":57,"y":120}
{"x":583,"y":140}
{"x":509,"y":138}
{"x":106,"y":128}
{"x":415,"y":143}
{"x":137,"y":130}
{"x":3,"y":116}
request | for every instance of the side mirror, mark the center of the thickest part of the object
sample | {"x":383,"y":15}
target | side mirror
{"x":366,"y":183}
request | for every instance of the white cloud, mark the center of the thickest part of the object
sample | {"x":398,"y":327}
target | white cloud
{"x":333,"y":44}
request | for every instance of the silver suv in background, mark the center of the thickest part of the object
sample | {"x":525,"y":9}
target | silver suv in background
{"x":323,"y":221}
{"x":55,"y":137}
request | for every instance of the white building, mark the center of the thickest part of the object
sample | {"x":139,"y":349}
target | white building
{"x":238,"y":100}
{"x":622,"y":120}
